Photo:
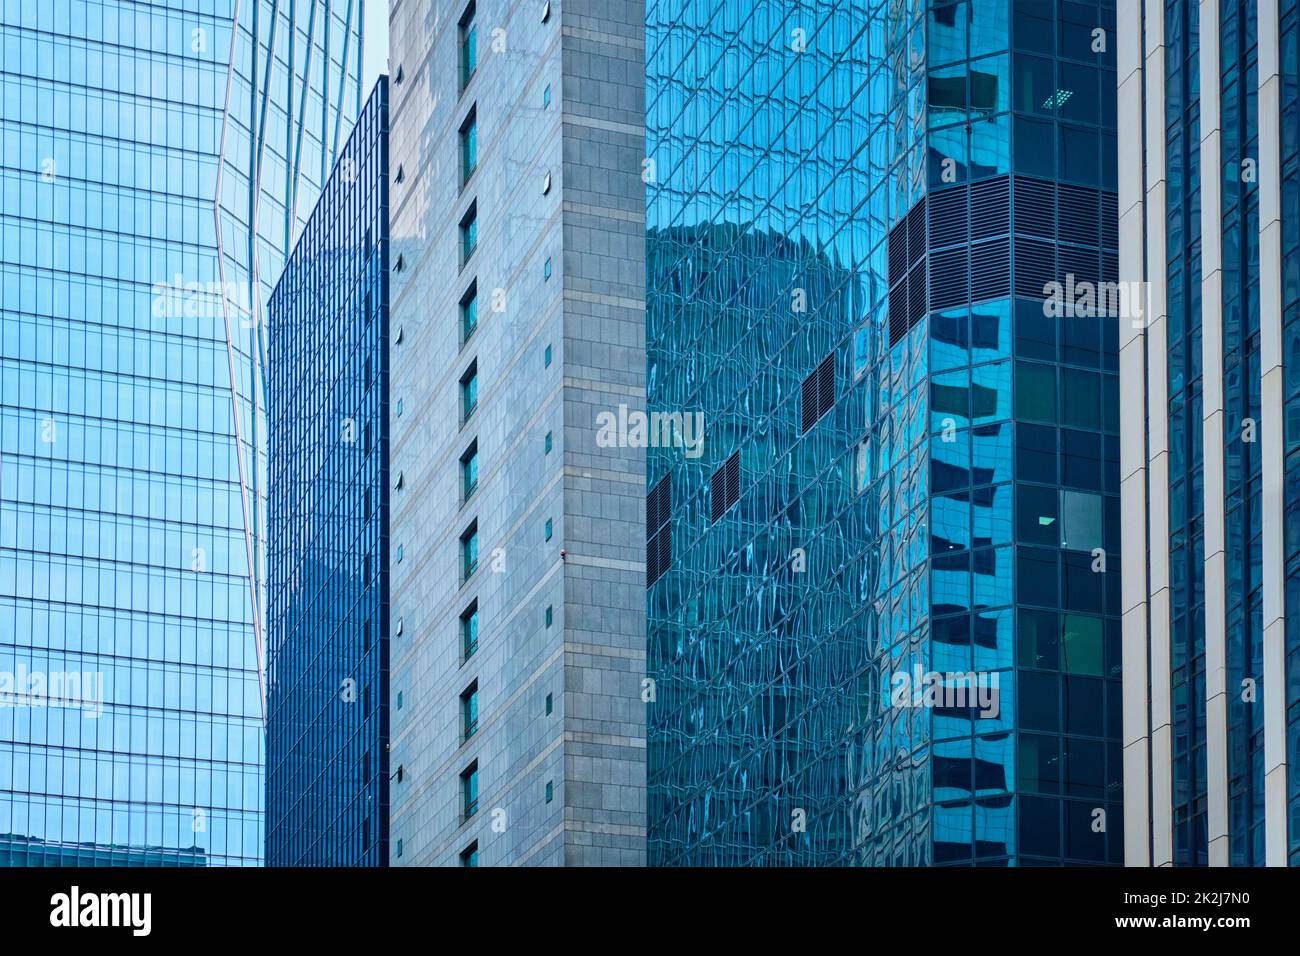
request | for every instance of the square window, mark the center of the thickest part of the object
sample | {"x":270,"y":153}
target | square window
{"x":1035,"y":392}
{"x":469,"y":855}
{"x":1081,"y":645}
{"x":1081,"y":520}
{"x":1037,"y":518}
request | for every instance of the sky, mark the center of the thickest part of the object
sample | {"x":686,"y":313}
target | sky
{"x":374,"y":52}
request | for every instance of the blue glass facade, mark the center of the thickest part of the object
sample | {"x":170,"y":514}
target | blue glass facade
{"x":156,"y":164}
{"x":1186,"y":454}
{"x":856,"y":212}
{"x":327,"y":618}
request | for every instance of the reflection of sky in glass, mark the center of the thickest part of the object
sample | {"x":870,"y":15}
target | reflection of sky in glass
{"x":124,"y":501}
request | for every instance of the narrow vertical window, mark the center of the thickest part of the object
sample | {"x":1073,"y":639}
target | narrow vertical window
{"x":469,"y":471}
{"x":469,"y":551}
{"x":469,"y":392}
{"x":469,"y":234}
{"x":468,"y":147}
{"x":469,"y":312}
{"x":468,"y":46}
{"x":469,"y":630}
{"x":469,"y":711}
{"x":469,"y":790}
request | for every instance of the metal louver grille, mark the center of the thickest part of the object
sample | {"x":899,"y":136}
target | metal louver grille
{"x":658,"y":530}
{"x":724,"y":490}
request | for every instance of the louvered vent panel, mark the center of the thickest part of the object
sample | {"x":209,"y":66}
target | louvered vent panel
{"x":897,"y":314}
{"x":1035,"y":208}
{"x":1083,"y":264}
{"x":947,"y":213}
{"x":948,"y":280}
{"x":916,"y":232}
{"x":1110,"y":220}
{"x":825,"y":387}
{"x":990,"y":270}
{"x":897,"y":252}
{"x":916,"y":297}
{"x":1035,"y":267}
{"x":1079,"y":215}
{"x":990,"y":208}
{"x":808,"y":402}
{"x":718,"y":494}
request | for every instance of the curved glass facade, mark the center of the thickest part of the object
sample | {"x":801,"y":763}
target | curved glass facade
{"x":157,"y":163}
{"x":856,"y":213}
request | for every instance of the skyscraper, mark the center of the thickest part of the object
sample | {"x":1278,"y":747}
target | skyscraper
{"x":518,"y":616}
{"x":883,"y":603}
{"x":327,"y":616}
{"x":158,"y":162}
{"x":1211,"y":459}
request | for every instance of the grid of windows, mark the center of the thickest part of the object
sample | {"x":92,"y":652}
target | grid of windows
{"x":1239,"y":207}
{"x":327,"y":765}
{"x":1186,"y":456}
{"x":130,"y":506}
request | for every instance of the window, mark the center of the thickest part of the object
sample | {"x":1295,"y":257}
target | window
{"x":469,"y":551}
{"x":469,"y":711}
{"x":818,"y":392}
{"x":546,"y":357}
{"x":399,"y":849}
{"x":546,"y":268}
{"x":469,"y":391}
{"x":469,"y":855}
{"x":469,"y":233}
{"x":548,"y":443}
{"x":469,"y":471}
{"x":469,"y":630}
{"x":546,"y":96}
{"x":549,"y":529}
{"x":549,"y":705}
{"x":725,"y":490}
{"x":1081,"y":520}
{"x":550,"y":791}
{"x":549,"y":615}
{"x":469,"y":312}
{"x":468,"y":46}
{"x":468,"y":148}
{"x":469,"y":790}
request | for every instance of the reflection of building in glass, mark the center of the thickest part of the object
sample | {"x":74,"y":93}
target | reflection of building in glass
{"x":1213,"y":625}
{"x":18,"y":850}
{"x":158,"y":164}
{"x":327,"y":614}
{"x":856,"y":229}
